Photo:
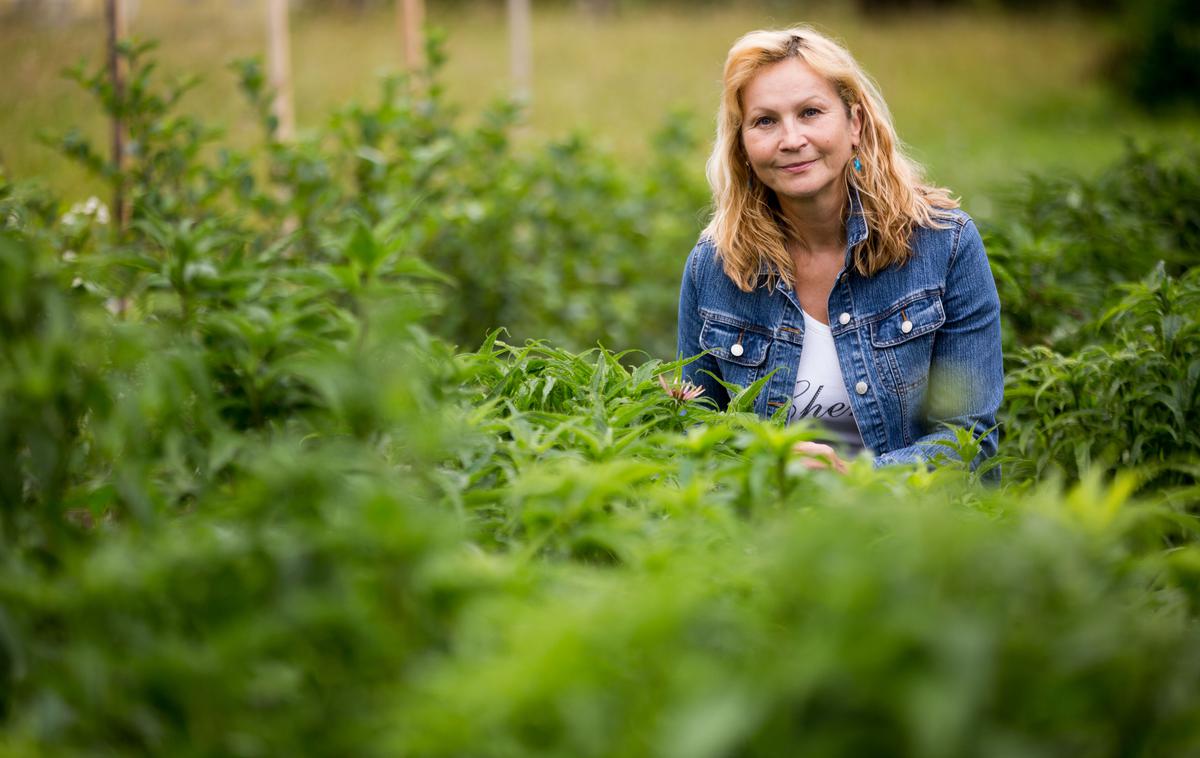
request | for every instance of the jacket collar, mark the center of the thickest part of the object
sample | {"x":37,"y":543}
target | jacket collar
{"x":857,"y":230}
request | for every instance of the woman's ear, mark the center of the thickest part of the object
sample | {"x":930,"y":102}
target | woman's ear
{"x":855,"y":122}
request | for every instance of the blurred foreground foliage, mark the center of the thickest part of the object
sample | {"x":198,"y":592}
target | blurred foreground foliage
{"x":255,"y":501}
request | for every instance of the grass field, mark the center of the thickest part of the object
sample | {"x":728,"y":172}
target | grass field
{"x":981,"y":99}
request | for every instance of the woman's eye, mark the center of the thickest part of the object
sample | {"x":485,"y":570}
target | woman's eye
{"x":810,"y":112}
{"x":763,"y":121}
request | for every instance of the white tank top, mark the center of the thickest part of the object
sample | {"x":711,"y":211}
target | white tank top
{"x":820,"y":392}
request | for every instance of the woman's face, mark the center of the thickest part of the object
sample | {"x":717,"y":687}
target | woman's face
{"x":796,"y":132}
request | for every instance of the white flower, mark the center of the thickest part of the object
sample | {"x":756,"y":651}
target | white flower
{"x":92,"y":207}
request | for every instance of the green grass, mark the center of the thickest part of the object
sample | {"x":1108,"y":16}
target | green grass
{"x":981,"y":99}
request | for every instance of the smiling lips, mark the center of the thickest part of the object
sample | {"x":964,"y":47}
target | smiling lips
{"x":795,"y":168}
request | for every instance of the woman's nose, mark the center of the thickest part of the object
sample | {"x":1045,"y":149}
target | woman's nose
{"x":793,"y":135}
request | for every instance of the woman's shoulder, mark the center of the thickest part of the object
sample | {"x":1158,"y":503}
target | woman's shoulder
{"x":946,"y":221}
{"x":704,"y":257}
{"x":945,"y":237}
{"x":706,"y":271}
{"x":705,"y":248}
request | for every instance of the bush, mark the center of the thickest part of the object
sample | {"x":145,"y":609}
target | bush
{"x":1063,"y":246}
{"x":828,"y":624}
{"x":556,"y":244}
{"x":1131,"y":399}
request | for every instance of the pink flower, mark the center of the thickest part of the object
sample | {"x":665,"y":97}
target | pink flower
{"x":680,"y":393}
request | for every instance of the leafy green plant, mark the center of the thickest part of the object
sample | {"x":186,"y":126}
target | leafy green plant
{"x":1130,"y":401}
{"x":1066,"y":245}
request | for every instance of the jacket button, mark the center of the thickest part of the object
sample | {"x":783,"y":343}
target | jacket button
{"x":844,"y":318}
{"x":906,"y":327}
{"x":861,"y":388}
{"x":736,"y":350}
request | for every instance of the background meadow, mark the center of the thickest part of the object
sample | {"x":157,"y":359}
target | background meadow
{"x":370,"y":441}
{"x":981,"y":96}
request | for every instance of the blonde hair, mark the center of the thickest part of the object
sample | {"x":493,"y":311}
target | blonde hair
{"x":748,"y":227}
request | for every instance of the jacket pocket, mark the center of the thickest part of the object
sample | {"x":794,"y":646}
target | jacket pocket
{"x":902,"y":339}
{"x":733,"y":340}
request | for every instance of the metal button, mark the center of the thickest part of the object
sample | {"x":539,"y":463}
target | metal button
{"x":861,"y":388}
{"x":736,"y":350}
{"x":844,"y":318}
{"x":906,"y":327}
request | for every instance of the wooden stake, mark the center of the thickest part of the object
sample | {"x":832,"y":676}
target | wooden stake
{"x":410,"y":20}
{"x":597,"y":8}
{"x":280,"y":66}
{"x":520,"y":37}
{"x":114,"y":17}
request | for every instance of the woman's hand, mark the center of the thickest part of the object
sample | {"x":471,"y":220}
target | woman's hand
{"x":818,"y":456}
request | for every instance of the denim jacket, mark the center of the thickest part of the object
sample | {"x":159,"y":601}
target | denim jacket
{"x":918,"y":344}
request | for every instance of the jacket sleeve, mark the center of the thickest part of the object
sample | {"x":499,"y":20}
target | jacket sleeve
{"x":966,"y":377}
{"x":699,"y":371}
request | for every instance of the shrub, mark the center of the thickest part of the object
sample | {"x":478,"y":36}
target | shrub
{"x":558,"y":243}
{"x":1131,"y":399}
{"x":1063,"y":246}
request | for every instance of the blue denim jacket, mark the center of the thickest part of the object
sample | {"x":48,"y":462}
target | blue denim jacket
{"x":918,"y":344}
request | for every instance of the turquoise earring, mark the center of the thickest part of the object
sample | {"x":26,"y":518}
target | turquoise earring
{"x":857,"y":164}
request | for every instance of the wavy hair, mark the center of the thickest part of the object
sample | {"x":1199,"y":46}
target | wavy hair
{"x":748,"y":227}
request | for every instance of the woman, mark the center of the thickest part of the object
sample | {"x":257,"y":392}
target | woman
{"x":863,"y":294}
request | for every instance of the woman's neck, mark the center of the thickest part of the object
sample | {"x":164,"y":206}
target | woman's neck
{"x":820,"y":221}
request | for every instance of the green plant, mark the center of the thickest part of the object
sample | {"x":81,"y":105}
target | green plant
{"x":1067,"y":244}
{"x":1131,"y":400}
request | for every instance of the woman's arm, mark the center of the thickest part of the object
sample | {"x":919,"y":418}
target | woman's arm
{"x":966,"y":378}
{"x":690,"y":324}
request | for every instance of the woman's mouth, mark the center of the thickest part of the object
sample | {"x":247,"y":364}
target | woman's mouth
{"x":796,"y":168}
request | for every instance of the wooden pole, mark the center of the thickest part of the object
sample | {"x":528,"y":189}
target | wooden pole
{"x":115,"y":22}
{"x":280,"y":66}
{"x":597,"y":8}
{"x":410,"y":19}
{"x":520,"y":36}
